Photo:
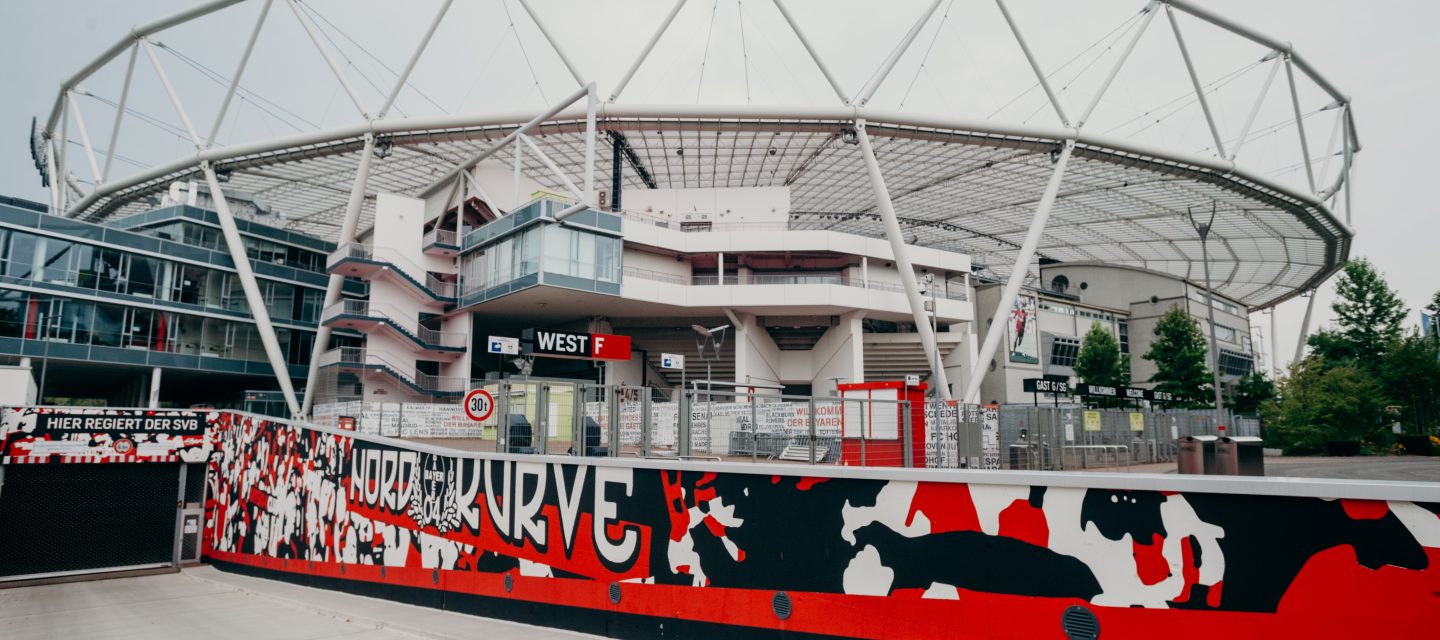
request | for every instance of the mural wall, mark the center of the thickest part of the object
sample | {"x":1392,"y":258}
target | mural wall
{"x":614,"y":548}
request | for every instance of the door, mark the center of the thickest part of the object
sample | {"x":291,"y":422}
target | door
{"x":66,"y":519}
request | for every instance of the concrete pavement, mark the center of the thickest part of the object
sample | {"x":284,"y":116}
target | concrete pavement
{"x":203,"y":602}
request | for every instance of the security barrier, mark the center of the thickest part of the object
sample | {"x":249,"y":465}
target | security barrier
{"x":716,"y":424}
{"x":1065,"y":437}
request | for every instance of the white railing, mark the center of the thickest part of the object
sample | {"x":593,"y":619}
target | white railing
{"x":366,"y":309}
{"x":363,"y":357}
{"x":437,"y":286}
{"x":440,"y":236}
{"x":774,"y":279}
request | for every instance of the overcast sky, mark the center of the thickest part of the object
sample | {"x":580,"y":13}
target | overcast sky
{"x":487,"y":56}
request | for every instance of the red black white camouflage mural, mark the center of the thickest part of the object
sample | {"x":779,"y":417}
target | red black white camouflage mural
{"x":611,"y":547}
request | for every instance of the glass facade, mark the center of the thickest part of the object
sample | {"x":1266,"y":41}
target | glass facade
{"x":539,"y":253}
{"x":154,"y":296}
{"x":35,"y":258}
{"x":199,"y":235}
{"x":35,"y":316}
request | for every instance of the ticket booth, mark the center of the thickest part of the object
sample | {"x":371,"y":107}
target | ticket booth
{"x":874,"y":430}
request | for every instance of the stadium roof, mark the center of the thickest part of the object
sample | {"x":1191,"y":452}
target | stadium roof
{"x":967,"y":184}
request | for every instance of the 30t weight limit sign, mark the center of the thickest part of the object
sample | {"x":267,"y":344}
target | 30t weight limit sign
{"x":479,"y":404}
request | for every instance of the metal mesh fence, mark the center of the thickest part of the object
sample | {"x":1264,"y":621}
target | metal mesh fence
{"x":1059,"y":437}
{"x":725,"y":424}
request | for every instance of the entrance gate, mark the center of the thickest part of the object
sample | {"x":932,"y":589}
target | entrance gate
{"x":549,"y":415}
{"x":60,"y":520}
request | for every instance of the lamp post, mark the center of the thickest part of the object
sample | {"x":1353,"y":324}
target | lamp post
{"x":934,"y":326}
{"x":1204,"y":230}
{"x":715,"y":336}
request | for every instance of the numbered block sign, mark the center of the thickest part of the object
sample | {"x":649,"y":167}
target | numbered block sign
{"x":479,"y":404}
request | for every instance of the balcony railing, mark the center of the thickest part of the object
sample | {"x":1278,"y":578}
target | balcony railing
{"x":359,"y":356}
{"x":774,"y":279}
{"x":366,"y":309}
{"x":441,"y":236}
{"x":419,"y":275}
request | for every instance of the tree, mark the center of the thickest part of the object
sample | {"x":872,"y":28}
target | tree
{"x":1321,"y":402}
{"x":1434,"y":306}
{"x":1179,"y":352}
{"x":1251,"y":392}
{"x":1100,"y":361}
{"x":1410,"y":380}
{"x":1367,"y":314}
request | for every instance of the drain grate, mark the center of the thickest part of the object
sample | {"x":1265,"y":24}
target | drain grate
{"x":614,"y":593}
{"x":1080,"y":624}
{"x":781,"y":604}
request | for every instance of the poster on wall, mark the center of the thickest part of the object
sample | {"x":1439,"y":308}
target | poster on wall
{"x":1024,"y":331}
{"x":990,"y":437}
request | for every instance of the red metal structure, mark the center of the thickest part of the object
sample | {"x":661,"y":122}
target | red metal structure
{"x":873,"y":425}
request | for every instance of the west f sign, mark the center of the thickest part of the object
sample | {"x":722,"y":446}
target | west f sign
{"x":587,"y":346}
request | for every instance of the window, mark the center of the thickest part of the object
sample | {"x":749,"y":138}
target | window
{"x":1064,"y":351}
{"x":188,"y":281}
{"x":279,"y":300}
{"x":54,"y":258}
{"x":20,"y":260}
{"x":12,"y":313}
{"x":1059,"y":284}
{"x":1063,"y":309}
{"x":109,"y":267}
{"x":310,"y":303}
{"x":106,"y":330}
{"x":1234,"y":363}
{"x":1225,"y":333}
{"x":146,"y":278}
{"x":1123,"y":328}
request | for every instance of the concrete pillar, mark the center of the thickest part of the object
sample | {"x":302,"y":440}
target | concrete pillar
{"x":840,"y":353}
{"x":154,"y":388}
{"x":757,"y":358}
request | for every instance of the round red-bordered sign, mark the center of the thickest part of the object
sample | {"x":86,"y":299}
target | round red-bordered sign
{"x":123,"y":446}
{"x":479,"y":404}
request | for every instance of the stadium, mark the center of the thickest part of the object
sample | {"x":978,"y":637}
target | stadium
{"x":846,"y":237}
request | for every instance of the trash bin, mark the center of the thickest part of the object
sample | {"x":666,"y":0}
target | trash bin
{"x":522,"y":435}
{"x":1197,"y":454}
{"x":592,"y":439}
{"x":1240,"y":456}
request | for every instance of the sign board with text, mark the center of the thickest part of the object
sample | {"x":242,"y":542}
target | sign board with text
{"x":1058,"y":386}
{"x":672,"y":361}
{"x":504,"y":346}
{"x":1137,"y":422}
{"x":576,"y":346}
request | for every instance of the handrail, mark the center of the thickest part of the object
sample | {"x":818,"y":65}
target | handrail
{"x":365,"y":308}
{"x":435,"y":286}
{"x":424,"y":381}
{"x":440,"y":236}
{"x":774,"y":279}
